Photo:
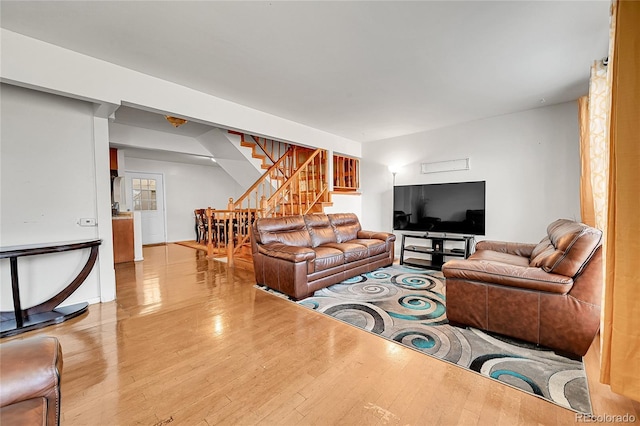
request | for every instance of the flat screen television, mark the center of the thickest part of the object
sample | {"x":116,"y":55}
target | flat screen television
{"x":456,"y":208}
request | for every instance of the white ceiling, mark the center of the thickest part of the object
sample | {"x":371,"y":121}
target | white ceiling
{"x":362,"y":70}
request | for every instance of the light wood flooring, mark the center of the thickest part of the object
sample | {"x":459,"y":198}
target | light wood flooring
{"x":190,"y":342}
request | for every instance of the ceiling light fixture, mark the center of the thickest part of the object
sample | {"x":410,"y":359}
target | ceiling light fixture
{"x":177,"y":122}
{"x":213,"y":159}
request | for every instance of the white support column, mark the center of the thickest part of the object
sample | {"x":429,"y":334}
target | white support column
{"x":105,"y":265}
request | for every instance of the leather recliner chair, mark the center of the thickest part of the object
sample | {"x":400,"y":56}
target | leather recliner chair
{"x":30,"y":372}
{"x":547,"y":293}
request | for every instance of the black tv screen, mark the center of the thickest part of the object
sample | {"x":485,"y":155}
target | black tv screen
{"x":456,"y":208}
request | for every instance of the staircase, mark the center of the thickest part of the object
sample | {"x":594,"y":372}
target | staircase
{"x":295,"y":182}
{"x":266,"y":150}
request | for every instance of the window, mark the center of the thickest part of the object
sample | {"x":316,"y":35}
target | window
{"x":144,"y":194}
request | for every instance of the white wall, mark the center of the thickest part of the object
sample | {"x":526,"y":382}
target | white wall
{"x":187,"y":187}
{"x":48,"y":182}
{"x":138,"y":137}
{"x":529,"y":160}
{"x":343,"y":203}
{"x":230,"y":156}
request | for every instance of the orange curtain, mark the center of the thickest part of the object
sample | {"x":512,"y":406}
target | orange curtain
{"x":587,"y":213}
{"x":620,"y":363}
{"x":594,"y":147}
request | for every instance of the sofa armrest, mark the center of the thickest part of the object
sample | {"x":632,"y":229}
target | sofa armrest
{"x":384,"y":236}
{"x":518,"y":249}
{"x":502,"y":274}
{"x":290,"y":253}
{"x":30,"y":369}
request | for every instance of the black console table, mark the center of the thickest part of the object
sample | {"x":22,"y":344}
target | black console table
{"x":436,"y":250}
{"x":46,"y":313}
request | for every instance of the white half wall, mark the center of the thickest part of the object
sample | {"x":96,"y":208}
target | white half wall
{"x":346,"y":203}
{"x":47,"y":183}
{"x":530,"y":161}
{"x":187,"y":187}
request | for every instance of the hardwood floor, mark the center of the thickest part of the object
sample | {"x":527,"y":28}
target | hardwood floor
{"x":190,"y":342}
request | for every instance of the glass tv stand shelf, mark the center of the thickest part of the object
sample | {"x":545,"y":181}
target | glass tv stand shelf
{"x":434,"y":247}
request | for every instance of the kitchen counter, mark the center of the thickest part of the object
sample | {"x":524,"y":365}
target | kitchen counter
{"x":123,"y":215}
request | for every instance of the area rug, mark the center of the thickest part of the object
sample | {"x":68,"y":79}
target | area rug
{"x":407,"y":305}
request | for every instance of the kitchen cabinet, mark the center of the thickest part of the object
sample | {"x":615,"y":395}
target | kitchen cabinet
{"x":123,"y":248}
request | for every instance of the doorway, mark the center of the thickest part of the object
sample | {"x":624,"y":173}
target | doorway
{"x":145,"y":193}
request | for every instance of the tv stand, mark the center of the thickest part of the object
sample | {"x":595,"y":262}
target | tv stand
{"x":435,"y":250}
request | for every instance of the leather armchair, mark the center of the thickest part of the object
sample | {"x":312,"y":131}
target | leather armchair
{"x":30,"y":372}
{"x":547,"y":293}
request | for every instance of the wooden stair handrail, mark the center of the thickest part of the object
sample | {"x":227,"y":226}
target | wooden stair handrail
{"x":264,"y":177}
{"x":295,"y":178}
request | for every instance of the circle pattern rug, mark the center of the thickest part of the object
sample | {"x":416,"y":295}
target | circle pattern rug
{"x":408,"y":305}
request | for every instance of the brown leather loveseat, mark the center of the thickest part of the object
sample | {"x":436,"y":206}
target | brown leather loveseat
{"x":298,"y":255}
{"x":30,"y":381}
{"x":547,"y":293}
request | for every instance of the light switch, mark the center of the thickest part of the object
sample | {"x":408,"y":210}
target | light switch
{"x":87,"y":221}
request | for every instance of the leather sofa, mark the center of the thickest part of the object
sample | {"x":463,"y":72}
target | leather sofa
{"x":298,"y":255}
{"x":547,"y":293}
{"x":30,"y":372}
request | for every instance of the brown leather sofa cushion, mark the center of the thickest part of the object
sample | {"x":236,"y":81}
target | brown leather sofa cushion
{"x":352,"y":252}
{"x":517,"y":249}
{"x":327,"y":257}
{"x":567,"y":248}
{"x":320,"y":229}
{"x":501,"y":257}
{"x":290,"y":230}
{"x":345,"y":226}
{"x":373,"y":246}
{"x":543,"y":250}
